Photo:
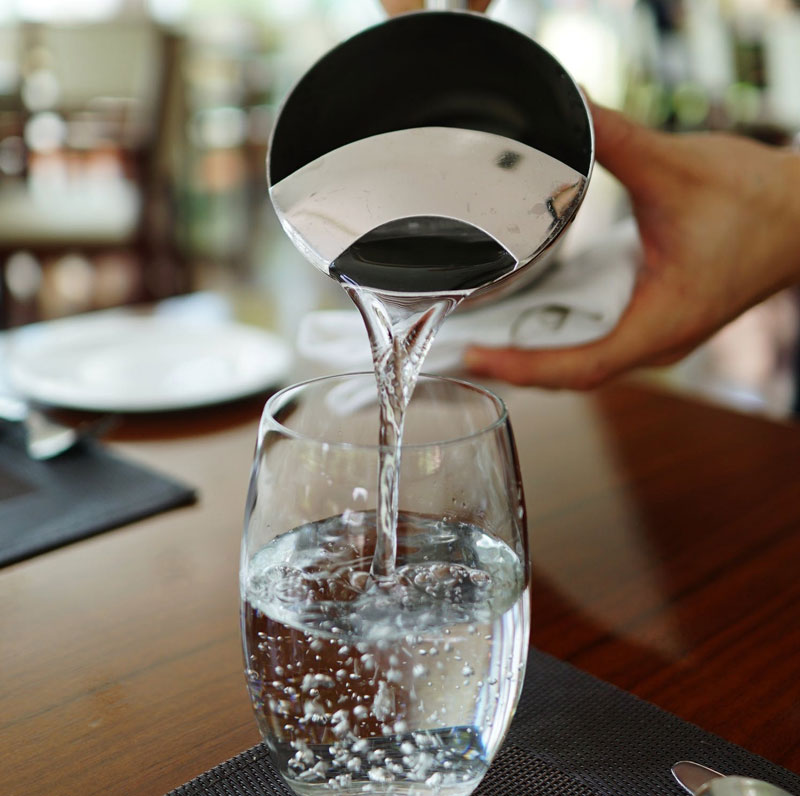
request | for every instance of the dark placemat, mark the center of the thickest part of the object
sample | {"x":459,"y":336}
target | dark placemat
{"x":573,"y":735}
{"x":84,"y":492}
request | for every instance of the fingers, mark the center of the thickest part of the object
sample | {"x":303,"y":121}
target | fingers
{"x":568,"y":368}
{"x":578,"y":368}
{"x":625,"y":147}
{"x":642,"y":337}
{"x":394,"y":7}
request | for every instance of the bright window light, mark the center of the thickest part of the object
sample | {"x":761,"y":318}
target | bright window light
{"x":64,"y":10}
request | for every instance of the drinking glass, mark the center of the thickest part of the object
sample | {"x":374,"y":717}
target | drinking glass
{"x":404,"y":683}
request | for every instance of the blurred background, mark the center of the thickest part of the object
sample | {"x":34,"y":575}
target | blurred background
{"x":133,"y":135}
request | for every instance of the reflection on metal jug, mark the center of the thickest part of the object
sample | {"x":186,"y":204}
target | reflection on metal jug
{"x":437,"y":152}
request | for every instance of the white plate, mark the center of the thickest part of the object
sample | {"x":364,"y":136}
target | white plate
{"x":128,"y":363}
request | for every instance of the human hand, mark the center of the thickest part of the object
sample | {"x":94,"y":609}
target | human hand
{"x":719,"y":219}
{"x":394,"y":7}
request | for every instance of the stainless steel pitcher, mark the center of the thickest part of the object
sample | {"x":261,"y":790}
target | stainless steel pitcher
{"x":431,"y":116}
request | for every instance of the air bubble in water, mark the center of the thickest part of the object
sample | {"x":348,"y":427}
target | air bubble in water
{"x":394,"y":675}
{"x":288,"y":584}
{"x":341,"y":723}
{"x":303,"y":755}
{"x":358,"y":580}
{"x":368,"y":659}
{"x":423,"y":740}
{"x":480,"y":579}
{"x":380,"y":775}
{"x":314,"y":712}
{"x":342,"y":781}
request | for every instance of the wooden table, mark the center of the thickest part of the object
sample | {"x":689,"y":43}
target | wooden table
{"x":666,"y":558}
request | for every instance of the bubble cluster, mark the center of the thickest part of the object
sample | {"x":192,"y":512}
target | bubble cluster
{"x":401,"y":686}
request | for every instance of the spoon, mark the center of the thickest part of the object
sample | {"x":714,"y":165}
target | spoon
{"x":46,"y":438}
{"x":701,"y":780}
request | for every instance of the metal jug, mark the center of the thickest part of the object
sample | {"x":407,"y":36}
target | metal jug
{"x":433,"y":118}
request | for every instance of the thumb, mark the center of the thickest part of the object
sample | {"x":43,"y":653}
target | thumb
{"x":636,"y":340}
{"x":625,"y":147}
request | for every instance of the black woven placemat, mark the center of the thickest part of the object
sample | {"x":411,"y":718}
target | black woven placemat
{"x":573,"y":735}
{"x":44,"y":505}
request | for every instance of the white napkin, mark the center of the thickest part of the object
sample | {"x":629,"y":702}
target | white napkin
{"x":579,"y":300}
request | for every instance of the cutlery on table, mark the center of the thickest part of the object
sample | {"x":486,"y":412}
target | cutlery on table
{"x":701,"y":780}
{"x":46,"y":438}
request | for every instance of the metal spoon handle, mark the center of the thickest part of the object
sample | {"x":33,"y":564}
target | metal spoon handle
{"x":701,"y":780}
{"x":692,"y":776}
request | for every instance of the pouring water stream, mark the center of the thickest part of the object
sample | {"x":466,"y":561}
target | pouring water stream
{"x":412,"y":223}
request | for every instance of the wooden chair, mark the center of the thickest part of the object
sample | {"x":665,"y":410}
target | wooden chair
{"x":109,"y":187}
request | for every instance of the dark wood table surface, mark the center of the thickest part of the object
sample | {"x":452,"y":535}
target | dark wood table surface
{"x":666,"y":557}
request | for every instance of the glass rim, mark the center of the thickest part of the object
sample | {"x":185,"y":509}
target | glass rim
{"x":274,"y":400}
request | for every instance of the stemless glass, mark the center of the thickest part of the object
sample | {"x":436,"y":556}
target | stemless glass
{"x":405,"y":684}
